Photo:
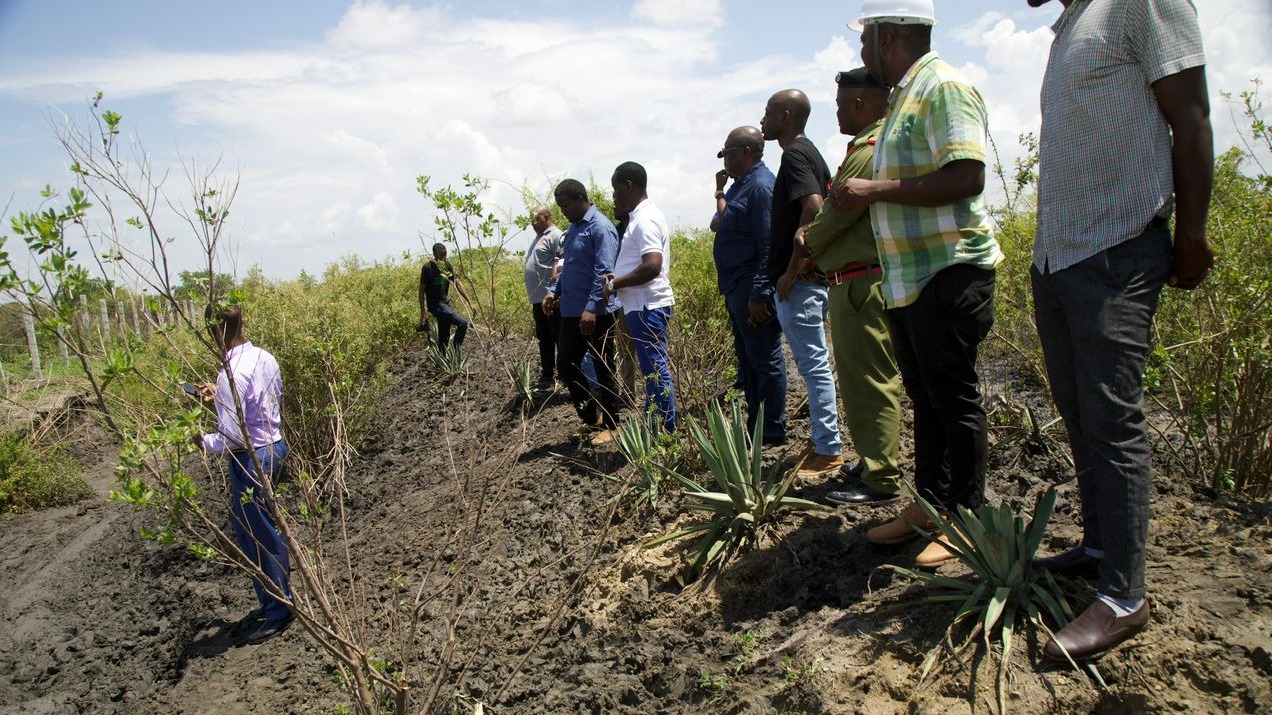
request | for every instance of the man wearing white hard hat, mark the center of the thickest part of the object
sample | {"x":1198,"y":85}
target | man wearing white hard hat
{"x":938,"y":253}
{"x":1126,"y":80}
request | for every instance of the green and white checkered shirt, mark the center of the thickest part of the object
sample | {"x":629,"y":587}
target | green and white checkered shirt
{"x":1106,"y":167}
{"x":935,"y":116}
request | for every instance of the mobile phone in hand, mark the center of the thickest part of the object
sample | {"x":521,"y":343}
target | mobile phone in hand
{"x":190,"y":390}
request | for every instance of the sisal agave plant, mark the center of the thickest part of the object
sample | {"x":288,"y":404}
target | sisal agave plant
{"x":748,"y":497}
{"x":651,"y":453}
{"x":522,"y":379}
{"x":1005,"y":590}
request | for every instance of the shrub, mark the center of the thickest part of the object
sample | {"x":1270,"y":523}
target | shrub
{"x":36,"y":477}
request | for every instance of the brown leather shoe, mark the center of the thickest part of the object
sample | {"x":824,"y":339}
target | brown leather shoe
{"x":604,"y":437}
{"x":901,"y":529}
{"x":1095,"y":632}
{"x":815,"y":465}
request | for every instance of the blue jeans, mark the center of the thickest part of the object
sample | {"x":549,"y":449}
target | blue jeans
{"x":649,"y":334}
{"x":1095,"y":322}
{"x":447,"y":318}
{"x":759,"y":350}
{"x":254,"y":527}
{"x":803,"y":318}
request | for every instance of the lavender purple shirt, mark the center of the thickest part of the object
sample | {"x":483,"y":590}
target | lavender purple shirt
{"x":259,"y":383}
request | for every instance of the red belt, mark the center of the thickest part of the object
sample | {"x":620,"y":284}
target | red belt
{"x":852,"y":270}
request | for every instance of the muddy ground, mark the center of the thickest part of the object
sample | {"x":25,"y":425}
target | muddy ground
{"x":562,"y":610}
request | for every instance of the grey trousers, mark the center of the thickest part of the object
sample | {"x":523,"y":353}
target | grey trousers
{"x":1095,"y":319}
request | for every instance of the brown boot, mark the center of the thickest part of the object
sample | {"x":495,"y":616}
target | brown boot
{"x":815,"y":465}
{"x":902,"y":528}
{"x":937,"y":552}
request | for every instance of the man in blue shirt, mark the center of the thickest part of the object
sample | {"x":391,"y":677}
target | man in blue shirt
{"x":742,"y":228}
{"x":589,"y":248}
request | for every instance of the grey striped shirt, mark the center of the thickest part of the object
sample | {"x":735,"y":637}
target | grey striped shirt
{"x":1105,"y":167}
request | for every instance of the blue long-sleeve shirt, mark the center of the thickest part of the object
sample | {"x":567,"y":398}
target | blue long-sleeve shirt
{"x":589,"y":248}
{"x":742,"y":239}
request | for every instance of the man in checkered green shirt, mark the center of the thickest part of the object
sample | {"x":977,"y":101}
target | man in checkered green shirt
{"x":938,"y":255}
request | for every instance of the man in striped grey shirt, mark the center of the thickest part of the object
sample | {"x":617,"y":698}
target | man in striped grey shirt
{"x":1126,"y":82}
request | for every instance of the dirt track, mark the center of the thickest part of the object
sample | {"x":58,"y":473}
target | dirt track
{"x":94,"y":619}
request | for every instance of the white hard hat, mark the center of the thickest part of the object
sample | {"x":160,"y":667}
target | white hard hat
{"x":897,"y":12}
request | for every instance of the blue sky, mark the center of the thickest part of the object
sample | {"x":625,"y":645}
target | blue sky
{"x":327,"y":109}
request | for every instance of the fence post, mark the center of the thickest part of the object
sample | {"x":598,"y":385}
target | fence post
{"x":136,"y":319}
{"x":28,"y":322}
{"x":105,"y":321}
{"x":61,"y":345}
{"x":86,"y":320}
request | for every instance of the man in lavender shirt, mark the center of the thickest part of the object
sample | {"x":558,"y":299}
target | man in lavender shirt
{"x":248,"y":396}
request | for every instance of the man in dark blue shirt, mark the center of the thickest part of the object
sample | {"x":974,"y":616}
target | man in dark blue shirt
{"x":589,"y":248}
{"x":742,"y":226}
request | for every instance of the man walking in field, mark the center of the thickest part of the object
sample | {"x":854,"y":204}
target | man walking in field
{"x":436,"y":278}
{"x":1126,"y":81}
{"x":642,"y":283}
{"x":742,"y":225}
{"x":540,"y":273}
{"x":798,"y":191}
{"x":842,"y":242}
{"x":248,"y":396}
{"x":587,"y":322}
{"x":938,"y":254}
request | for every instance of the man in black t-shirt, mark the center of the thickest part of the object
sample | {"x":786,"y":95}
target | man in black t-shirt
{"x":802,"y":183}
{"x":436,"y":278}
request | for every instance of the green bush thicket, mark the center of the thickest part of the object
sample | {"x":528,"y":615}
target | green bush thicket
{"x":35,"y":476}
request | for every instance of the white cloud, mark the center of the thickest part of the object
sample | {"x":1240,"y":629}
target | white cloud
{"x":680,"y":12}
{"x":376,"y":25}
{"x":381,"y":214}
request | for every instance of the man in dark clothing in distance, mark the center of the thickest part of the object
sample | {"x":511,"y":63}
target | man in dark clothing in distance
{"x":436,"y":278}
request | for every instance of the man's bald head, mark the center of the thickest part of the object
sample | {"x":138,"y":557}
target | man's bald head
{"x":785,"y":115}
{"x":743,"y":149}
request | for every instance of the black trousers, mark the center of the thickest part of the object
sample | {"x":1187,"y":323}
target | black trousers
{"x":936,"y":339}
{"x":571,"y":348}
{"x":547,"y":329}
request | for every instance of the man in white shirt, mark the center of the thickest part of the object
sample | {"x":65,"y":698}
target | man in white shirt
{"x":248,"y":397}
{"x":641,"y":281}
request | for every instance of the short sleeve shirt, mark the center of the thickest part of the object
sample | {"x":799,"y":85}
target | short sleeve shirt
{"x":935,"y":117}
{"x":541,"y":256}
{"x":646,"y":233}
{"x":1097,"y":96}
{"x":803,"y":173}
{"x":436,"y":279}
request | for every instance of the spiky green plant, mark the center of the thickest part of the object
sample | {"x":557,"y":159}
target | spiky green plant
{"x":749,"y":496}
{"x":522,"y":379}
{"x":998,"y":547}
{"x":651,"y":453}
{"x":449,"y":364}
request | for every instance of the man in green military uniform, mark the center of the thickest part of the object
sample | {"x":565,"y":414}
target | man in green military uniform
{"x":843,"y":244}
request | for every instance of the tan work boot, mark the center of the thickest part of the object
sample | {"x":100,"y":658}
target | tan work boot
{"x":604,"y":437}
{"x":815,"y":465}
{"x":937,"y":552}
{"x":901,"y":528}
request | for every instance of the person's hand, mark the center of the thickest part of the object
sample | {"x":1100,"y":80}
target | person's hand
{"x":421,"y":327}
{"x":722,"y":178}
{"x":549,"y":304}
{"x":197,"y":441}
{"x":1193,"y":258}
{"x":207,"y":392}
{"x":587,"y":322}
{"x":784,"y":284}
{"x":757,"y":312}
{"x":607,"y":286}
{"x":851,"y":194}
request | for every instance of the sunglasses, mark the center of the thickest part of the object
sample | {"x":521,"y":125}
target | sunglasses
{"x":721,"y":154}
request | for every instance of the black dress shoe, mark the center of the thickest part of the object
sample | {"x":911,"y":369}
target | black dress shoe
{"x":774,"y":441}
{"x":1075,"y":562}
{"x":265,"y":630}
{"x":1095,"y":632}
{"x":860,"y":494}
{"x":852,"y":471}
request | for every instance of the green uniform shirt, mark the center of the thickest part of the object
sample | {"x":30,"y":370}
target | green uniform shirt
{"x":837,"y":237}
{"x":935,"y":117}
